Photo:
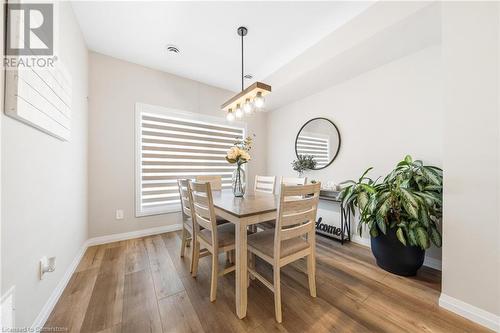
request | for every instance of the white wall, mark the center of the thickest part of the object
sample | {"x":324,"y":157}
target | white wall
{"x":44,"y":189}
{"x":382,"y":115}
{"x":115,"y":87}
{"x":471,"y":253}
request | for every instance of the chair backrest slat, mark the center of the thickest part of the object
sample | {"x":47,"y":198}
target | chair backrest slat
{"x":183,"y":185}
{"x":265,"y":184}
{"x":297,"y":206}
{"x":297,"y":218}
{"x":300,"y":190}
{"x":201,"y":199}
{"x":296,"y":231}
{"x":203,"y":222}
{"x":203,"y":208}
{"x":296,"y":214}
{"x":215,"y":181}
{"x":293,"y":181}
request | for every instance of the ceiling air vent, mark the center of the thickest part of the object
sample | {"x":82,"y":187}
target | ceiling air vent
{"x":173,"y":49}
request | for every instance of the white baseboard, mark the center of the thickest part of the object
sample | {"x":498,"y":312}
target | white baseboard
{"x":432,"y":263}
{"x":428,"y":261}
{"x":361,"y":240}
{"x":132,"y":234}
{"x":470,"y":312}
{"x":54,"y":297}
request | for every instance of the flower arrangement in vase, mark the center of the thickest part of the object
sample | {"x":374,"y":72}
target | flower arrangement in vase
{"x":239,"y":155}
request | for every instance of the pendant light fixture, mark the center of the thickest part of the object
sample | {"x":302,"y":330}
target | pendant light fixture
{"x":249,"y":99}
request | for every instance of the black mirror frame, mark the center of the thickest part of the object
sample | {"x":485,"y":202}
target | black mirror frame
{"x":338,"y":132}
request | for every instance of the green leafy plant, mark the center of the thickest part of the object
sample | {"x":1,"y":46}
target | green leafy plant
{"x":303,"y":163}
{"x":408,"y":199}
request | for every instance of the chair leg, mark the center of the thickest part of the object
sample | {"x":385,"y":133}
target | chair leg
{"x":311,"y":274}
{"x":213,"y":282}
{"x":193,"y":250}
{"x":184,"y":237}
{"x":195,"y":258}
{"x":277,"y":293}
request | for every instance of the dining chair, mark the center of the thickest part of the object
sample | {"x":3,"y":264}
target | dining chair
{"x":287,"y":181}
{"x":286,"y":243}
{"x":215,"y":181}
{"x":214,"y":238}
{"x":264,"y":184}
{"x":187,"y":222}
{"x":293,"y":181}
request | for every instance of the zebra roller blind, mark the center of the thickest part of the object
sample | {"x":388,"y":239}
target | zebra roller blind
{"x":173,"y":146}
{"x":318,"y":147}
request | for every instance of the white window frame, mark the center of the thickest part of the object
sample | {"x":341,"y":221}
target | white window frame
{"x":141,"y":108}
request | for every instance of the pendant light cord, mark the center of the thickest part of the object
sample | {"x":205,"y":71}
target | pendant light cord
{"x":242,"y":75}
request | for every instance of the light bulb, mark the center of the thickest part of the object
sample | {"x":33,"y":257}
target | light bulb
{"x":238,"y":113}
{"x":247,"y":106}
{"x":230,"y":115}
{"x":258,"y":101}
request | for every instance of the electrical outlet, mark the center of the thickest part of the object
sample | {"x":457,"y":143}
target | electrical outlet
{"x":47,"y":265}
{"x":119,"y":214}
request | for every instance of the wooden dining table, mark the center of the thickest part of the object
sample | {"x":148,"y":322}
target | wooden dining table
{"x":243,"y":212}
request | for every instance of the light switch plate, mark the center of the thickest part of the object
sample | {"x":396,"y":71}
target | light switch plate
{"x":119,"y":214}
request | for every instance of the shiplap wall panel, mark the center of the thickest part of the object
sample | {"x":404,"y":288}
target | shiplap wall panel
{"x":40,"y":98}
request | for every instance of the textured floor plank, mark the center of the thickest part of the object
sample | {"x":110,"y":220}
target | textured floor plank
{"x":106,"y":303}
{"x":136,"y":256}
{"x":140,"y":306}
{"x":173,"y":244}
{"x":143,"y":285}
{"x":178,"y":315}
{"x":165,"y":276}
{"x":70,"y":310}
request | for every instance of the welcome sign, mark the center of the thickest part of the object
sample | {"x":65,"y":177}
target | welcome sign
{"x":329,"y":219}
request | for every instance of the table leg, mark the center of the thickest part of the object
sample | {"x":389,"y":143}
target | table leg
{"x":241,"y":270}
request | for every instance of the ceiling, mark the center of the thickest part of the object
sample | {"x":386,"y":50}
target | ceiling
{"x":205,"y":33}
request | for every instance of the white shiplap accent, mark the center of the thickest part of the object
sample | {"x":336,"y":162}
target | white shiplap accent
{"x":40,"y":98}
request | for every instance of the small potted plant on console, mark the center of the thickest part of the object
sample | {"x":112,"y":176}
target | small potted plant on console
{"x":303,"y":163}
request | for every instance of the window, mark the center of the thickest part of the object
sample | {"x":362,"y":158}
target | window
{"x":172,"y":145}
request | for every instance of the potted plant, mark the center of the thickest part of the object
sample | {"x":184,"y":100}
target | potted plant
{"x":303,"y":163}
{"x":402,"y":213}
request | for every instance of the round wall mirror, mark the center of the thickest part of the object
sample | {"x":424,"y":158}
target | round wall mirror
{"x":319,"y":138}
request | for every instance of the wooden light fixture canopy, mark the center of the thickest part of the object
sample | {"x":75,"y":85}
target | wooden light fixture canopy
{"x":249,"y":93}
{"x":256,"y":89}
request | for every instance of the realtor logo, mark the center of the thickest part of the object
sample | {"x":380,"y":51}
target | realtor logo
{"x":30,"y":29}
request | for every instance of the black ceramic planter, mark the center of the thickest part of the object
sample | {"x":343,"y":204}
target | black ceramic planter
{"x":394,"y":257}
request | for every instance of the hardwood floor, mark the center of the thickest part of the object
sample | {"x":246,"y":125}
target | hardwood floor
{"x":142,"y":285}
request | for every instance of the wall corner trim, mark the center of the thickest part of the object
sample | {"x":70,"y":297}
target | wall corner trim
{"x":471,"y":312}
{"x":57,"y":292}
